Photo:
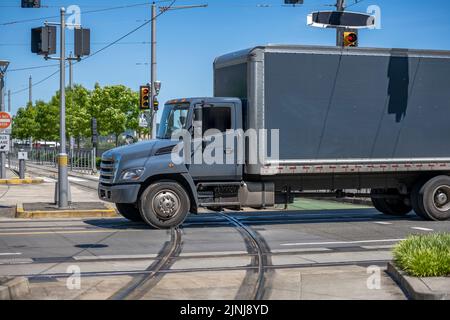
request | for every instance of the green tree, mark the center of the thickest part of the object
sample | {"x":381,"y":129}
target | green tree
{"x":24,"y":124}
{"x":47,"y":119}
{"x":77,"y":113}
{"x":116,"y":109}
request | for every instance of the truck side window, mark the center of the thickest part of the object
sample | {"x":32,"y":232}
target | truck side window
{"x":216,"y":118}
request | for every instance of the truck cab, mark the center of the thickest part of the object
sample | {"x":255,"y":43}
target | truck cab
{"x":150,"y":181}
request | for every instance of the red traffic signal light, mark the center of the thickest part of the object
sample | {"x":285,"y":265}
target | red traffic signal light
{"x":144,"y":97}
{"x":350,"y":39}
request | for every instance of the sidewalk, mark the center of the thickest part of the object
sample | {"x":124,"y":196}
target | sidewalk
{"x":12,"y":196}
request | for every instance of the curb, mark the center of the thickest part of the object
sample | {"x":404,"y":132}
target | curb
{"x":413,"y":287}
{"x":108,"y":212}
{"x":17,"y":181}
{"x":14,"y":288}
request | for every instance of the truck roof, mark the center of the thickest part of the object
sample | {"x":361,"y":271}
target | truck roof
{"x":206,"y":100}
{"x":241,"y":55}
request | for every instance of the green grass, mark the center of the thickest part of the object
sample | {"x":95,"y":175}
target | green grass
{"x":424,"y":255}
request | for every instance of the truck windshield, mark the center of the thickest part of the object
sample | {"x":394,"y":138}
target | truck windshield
{"x":174,"y":117}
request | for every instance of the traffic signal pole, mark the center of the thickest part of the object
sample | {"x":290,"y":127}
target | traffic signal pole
{"x":63,"y":181}
{"x":340,"y":6}
{"x":153,"y":73}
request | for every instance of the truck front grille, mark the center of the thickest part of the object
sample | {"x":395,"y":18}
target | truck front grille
{"x":107,"y":171}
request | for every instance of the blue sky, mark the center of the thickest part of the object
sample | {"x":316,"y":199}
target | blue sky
{"x":189,"y":40}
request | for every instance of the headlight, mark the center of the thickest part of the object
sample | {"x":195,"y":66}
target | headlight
{"x":132,"y":174}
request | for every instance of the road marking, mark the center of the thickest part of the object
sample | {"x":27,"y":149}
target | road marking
{"x":76,"y":179}
{"x":10,"y":253}
{"x":422,"y":229}
{"x":388,"y":246}
{"x":115,"y":257}
{"x":65,"y":232}
{"x":383,"y":222}
{"x":47,"y":179}
{"x":16,"y":261}
{"x":339,"y":242}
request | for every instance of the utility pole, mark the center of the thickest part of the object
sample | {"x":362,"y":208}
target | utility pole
{"x":153,"y":81}
{"x":153,"y":72}
{"x":340,"y":6}
{"x":30,"y":90}
{"x":63,"y":186}
{"x":70,"y":71}
{"x":9,"y":101}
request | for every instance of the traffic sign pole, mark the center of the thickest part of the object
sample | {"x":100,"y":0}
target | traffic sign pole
{"x":5,"y":125}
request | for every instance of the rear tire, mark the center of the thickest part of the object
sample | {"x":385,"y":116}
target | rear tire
{"x":390,"y":206}
{"x":432,"y":199}
{"x":164,"y":204}
{"x":129,"y":211}
{"x":417,"y":207}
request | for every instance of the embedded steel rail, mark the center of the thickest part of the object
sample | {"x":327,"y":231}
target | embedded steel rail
{"x":252,"y":241}
{"x":141,"y":285}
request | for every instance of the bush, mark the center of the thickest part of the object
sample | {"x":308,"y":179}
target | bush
{"x":424,"y":255}
{"x":98,"y":160}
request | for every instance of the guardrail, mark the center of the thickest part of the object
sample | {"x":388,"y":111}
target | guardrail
{"x":82,"y":161}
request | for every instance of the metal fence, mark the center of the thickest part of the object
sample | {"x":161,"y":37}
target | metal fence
{"x":82,"y":161}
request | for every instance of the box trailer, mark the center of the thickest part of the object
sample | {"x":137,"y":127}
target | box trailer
{"x":324,"y":118}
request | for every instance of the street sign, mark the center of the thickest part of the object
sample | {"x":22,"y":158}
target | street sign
{"x":4,"y":142}
{"x":143,"y":123}
{"x":340,"y":19}
{"x":22,"y":155}
{"x":5,"y":121}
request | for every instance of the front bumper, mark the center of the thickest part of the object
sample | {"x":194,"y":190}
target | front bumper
{"x":124,"y":193}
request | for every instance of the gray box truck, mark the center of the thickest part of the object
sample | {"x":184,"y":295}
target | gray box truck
{"x":343,"y":119}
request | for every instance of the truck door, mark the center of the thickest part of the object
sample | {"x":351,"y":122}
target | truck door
{"x":216,"y":124}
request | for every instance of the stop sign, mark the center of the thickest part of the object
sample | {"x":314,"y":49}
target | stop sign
{"x":5,"y":120}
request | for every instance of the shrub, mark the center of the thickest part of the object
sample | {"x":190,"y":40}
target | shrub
{"x":424,"y":255}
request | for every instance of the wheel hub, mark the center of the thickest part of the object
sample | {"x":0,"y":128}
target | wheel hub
{"x":442,"y":198}
{"x":166,"y":204}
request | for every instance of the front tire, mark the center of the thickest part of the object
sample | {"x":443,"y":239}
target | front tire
{"x":164,"y":204}
{"x":390,"y":206}
{"x":129,"y":211}
{"x":432,"y":199}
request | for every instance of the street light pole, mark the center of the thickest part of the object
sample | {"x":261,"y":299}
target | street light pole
{"x":63,"y":182}
{"x":153,"y":72}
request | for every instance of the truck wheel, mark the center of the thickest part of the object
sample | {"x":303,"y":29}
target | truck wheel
{"x":417,"y":207}
{"x":390,"y":206}
{"x":164,"y":204}
{"x":129,"y":211}
{"x":432,"y":199}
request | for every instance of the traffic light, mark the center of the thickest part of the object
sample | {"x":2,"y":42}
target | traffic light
{"x":144,"y":101}
{"x":43,"y":40}
{"x":31,"y":3}
{"x":82,"y":42}
{"x":155,"y":104}
{"x":350,"y":39}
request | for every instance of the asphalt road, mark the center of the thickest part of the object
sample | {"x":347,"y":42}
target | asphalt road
{"x":327,"y":253}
